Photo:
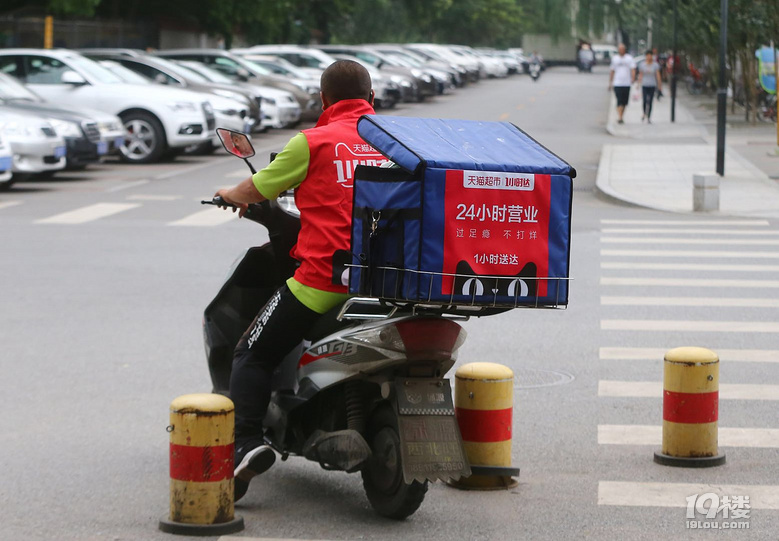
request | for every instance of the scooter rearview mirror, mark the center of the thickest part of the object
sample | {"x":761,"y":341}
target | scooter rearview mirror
{"x":236,"y":143}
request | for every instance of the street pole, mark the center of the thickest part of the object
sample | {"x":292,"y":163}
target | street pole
{"x":675,"y":67}
{"x":722,"y":91}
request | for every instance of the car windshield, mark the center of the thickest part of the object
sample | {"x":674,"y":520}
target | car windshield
{"x":11,"y":89}
{"x":92,"y":70}
{"x":125,"y":74}
{"x":178,"y":69}
{"x":256,"y":68}
{"x":209,"y":74}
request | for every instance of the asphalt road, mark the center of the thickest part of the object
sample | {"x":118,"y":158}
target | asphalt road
{"x":100,"y":326}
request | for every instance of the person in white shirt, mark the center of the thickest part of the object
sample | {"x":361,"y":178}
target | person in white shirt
{"x":621,"y":76}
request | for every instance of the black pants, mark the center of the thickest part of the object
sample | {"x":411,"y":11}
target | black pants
{"x":649,"y":95}
{"x":280,"y":326}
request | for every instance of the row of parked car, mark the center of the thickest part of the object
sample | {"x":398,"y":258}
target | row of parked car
{"x":66,"y":109}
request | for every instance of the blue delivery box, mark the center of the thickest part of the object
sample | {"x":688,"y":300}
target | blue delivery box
{"x":474,"y":213}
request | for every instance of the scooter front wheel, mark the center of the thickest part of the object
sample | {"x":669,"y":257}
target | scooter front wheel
{"x":382,"y":477}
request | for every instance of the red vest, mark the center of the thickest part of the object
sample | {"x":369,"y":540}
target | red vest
{"x":325,"y":196}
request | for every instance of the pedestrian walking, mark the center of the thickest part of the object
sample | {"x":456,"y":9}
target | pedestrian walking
{"x":650,"y":80}
{"x":621,"y":76}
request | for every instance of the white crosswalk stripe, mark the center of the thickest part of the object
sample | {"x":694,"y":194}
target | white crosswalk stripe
{"x":653,"y":435}
{"x":655,"y":230}
{"x":9,"y":204}
{"x":696,"y":241}
{"x":693,"y":326}
{"x":708,"y":223}
{"x":688,"y":282}
{"x":654,"y":389}
{"x":613,"y":265}
{"x":655,"y":354}
{"x":675,"y":494}
{"x":206,"y":218}
{"x":732,"y":302}
{"x":690,"y":254}
{"x":151,"y":197}
{"x":89,"y":213}
{"x":732,"y":265}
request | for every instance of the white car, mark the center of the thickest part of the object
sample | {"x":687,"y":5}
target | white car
{"x":279,"y":108}
{"x":156,"y":118}
{"x":37,"y":148}
{"x":6,"y":162}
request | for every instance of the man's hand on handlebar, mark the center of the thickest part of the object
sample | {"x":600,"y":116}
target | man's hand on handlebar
{"x":225,"y":195}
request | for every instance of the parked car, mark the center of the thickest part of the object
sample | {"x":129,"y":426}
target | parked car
{"x":314,"y":61}
{"x":237,"y":110}
{"x":89,"y":134}
{"x":279,"y":108}
{"x":386,"y":93}
{"x":157,"y":119}
{"x":402,"y":76}
{"x":445,"y":76}
{"x":37,"y":148}
{"x":240,"y":69}
{"x":6,"y":163}
{"x":468,"y":68}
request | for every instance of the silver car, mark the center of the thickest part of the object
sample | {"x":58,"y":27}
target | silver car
{"x":37,"y":148}
{"x":6,"y":162}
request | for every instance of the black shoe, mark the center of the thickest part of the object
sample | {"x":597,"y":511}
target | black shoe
{"x":251,"y":459}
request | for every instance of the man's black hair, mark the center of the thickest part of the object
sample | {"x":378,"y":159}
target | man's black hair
{"x":345,"y":80}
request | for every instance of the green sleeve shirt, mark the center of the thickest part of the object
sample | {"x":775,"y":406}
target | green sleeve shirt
{"x":287,"y":172}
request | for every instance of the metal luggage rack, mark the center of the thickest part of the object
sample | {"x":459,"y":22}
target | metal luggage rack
{"x":477,"y":306}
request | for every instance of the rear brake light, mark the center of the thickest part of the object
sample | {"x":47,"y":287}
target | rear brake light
{"x":418,"y":338}
{"x":430,"y":339}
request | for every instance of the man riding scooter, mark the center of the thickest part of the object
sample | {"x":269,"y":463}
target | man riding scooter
{"x":318,"y":164}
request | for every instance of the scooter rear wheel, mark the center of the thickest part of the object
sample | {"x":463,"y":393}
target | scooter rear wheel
{"x":382,"y":477}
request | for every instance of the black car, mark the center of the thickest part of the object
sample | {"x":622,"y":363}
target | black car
{"x":80,"y":130}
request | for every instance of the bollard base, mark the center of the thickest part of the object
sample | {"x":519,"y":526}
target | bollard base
{"x":487,"y":478}
{"x":692,"y":462}
{"x":201,"y":530}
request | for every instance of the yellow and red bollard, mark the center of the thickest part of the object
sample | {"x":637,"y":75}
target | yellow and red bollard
{"x":202,"y":429}
{"x":690,"y":409}
{"x":484,"y":402}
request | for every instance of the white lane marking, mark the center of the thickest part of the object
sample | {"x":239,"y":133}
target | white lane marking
{"x":653,"y":435}
{"x":688,"y":254}
{"x":688,"y":267}
{"x":739,"y":302}
{"x":683,"y":222}
{"x":89,"y":213}
{"x":127,"y":186}
{"x":240,"y":173}
{"x":674,"y":494}
{"x":182,"y":172}
{"x":769,"y":232}
{"x":657,"y":354}
{"x":9,"y":204}
{"x":207,"y":218}
{"x":654,"y":389}
{"x":142,"y":197}
{"x":687,"y":282}
{"x":667,"y":325}
{"x":697,"y":241}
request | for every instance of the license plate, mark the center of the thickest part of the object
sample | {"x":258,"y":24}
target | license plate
{"x":431,"y":445}
{"x":5,"y":163}
{"x":118,"y":142}
{"x":59,"y":152}
{"x":102,"y":148}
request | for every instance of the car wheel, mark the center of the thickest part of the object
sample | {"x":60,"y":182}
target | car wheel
{"x":145,"y":141}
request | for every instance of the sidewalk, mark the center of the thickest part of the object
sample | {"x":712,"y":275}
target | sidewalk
{"x":655,"y":164}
